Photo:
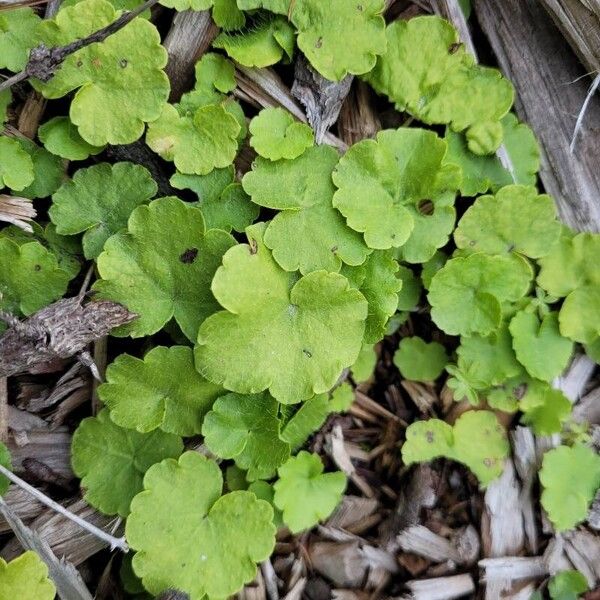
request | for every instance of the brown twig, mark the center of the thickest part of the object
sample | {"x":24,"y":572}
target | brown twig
{"x":43,"y":61}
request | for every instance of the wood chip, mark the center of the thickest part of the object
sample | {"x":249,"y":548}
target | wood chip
{"x":441,"y":588}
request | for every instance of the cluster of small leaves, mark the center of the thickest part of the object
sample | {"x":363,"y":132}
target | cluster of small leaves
{"x":277,"y":284}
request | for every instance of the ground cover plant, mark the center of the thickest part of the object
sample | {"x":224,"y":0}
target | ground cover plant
{"x":261,"y":293}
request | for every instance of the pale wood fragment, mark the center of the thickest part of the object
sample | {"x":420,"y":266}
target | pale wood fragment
{"x":441,"y":588}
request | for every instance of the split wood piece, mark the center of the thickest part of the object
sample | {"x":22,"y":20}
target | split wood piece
{"x":555,"y":558}
{"x":579,"y":22}
{"x":22,"y":504}
{"x":547,"y":75}
{"x":588,"y":408}
{"x":255,"y":590}
{"x":321,"y":98}
{"x":17,"y":211}
{"x":351,"y":511}
{"x":100,"y":360}
{"x":66,"y":578}
{"x":53,"y":448}
{"x":22,"y":421}
{"x":501,"y":573}
{"x":65,"y":537}
{"x":190,"y":35}
{"x":358,"y":119}
{"x":270,"y":579}
{"x":527,"y":466}
{"x":441,"y":588}
{"x":502,"y":521}
{"x":461,"y":549}
{"x":575,"y":379}
{"x":296,"y":591}
{"x":265,"y":88}
{"x":61,"y":330}
{"x":422,"y":395}
{"x":342,"y":563}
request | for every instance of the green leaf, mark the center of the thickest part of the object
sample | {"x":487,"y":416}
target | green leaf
{"x":567,"y":585}
{"x":418,"y":360}
{"x":5,"y":461}
{"x":377,"y":281}
{"x":227,"y":15}
{"x":290,"y":336}
{"x":325,"y":30}
{"x":277,"y":134}
{"x":30,"y":277}
{"x":16,"y":166}
{"x":484,"y":137}
{"x":544,"y":408}
{"x":476,"y":440}
{"x":466,"y":294}
{"x":516,"y":219}
{"x":169,"y":392}
{"x":190,"y":538}
{"x":539,"y":346}
{"x":264,"y":43}
{"x":479,"y":173}
{"x":342,"y":398}
{"x":431,"y":267}
{"x":5,"y":100}
{"x":308,"y":234}
{"x":48,"y":171}
{"x":18,"y":34}
{"x":246,"y":429}
{"x":162,"y":266}
{"x":208,"y":188}
{"x":180,"y":5}
{"x":111,"y":461}
{"x":570,"y":478}
{"x":25,"y":578}
{"x":99,"y":200}
{"x":61,"y":137}
{"x":280,"y":7}
{"x":410,"y":292}
{"x":429,"y":73}
{"x":306,"y":420}
{"x":522,"y":150}
{"x":488,"y":360}
{"x":198,"y":143}
{"x":363,"y":367}
{"x":120,"y":82}
{"x":304,"y":493}
{"x":400,"y":168}
{"x":579,"y":316}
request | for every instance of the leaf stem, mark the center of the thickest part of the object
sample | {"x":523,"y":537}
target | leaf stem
{"x":114,"y":542}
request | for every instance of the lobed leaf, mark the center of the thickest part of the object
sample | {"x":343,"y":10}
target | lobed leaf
{"x":544,"y":408}
{"x":62,"y":138}
{"x":25,"y":578}
{"x":418,"y":360}
{"x":292,"y":336}
{"x":190,"y":538}
{"x":111,"y":461}
{"x":304,"y":493}
{"x":98,"y":202}
{"x":18,"y":35}
{"x":158,"y":275}
{"x":16,"y":166}
{"x":161,"y":391}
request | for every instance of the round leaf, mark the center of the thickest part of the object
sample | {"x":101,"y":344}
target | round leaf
{"x":25,"y":578}
{"x":419,"y":360}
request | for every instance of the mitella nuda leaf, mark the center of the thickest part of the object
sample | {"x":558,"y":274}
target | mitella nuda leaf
{"x":30,"y":277}
{"x":190,"y":538}
{"x":161,"y":390}
{"x":570,"y":271}
{"x":18,"y":34}
{"x":16,"y":166}
{"x":5,"y":461}
{"x":538,"y":344}
{"x":62,"y":138}
{"x":377,"y":281}
{"x":48,"y":171}
{"x":25,"y":578}
{"x":120,"y":82}
{"x":380,"y":180}
{"x":224,"y":204}
{"x":246,"y":429}
{"x":567,"y":585}
{"x":162,"y":266}
{"x":570,"y":477}
{"x":277,"y":134}
{"x":418,"y":360}
{"x":516,"y":219}
{"x":544,"y":408}
{"x":428,"y":73}
{"x":522,"y":150}
{"x":476,"y":440}
{"x":466,"y":294}
{"x":264,"y":43}
{"x":197,"y":143}
{"x":309,"y":233}
{"x":325,"y":29}
{"x":5,"y":101}
{"x":305,"y":421}
{"x":304,"y":493}
{"x":111,"y":461}
{"x":292,"y":336}
{"x":99,"y":200}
